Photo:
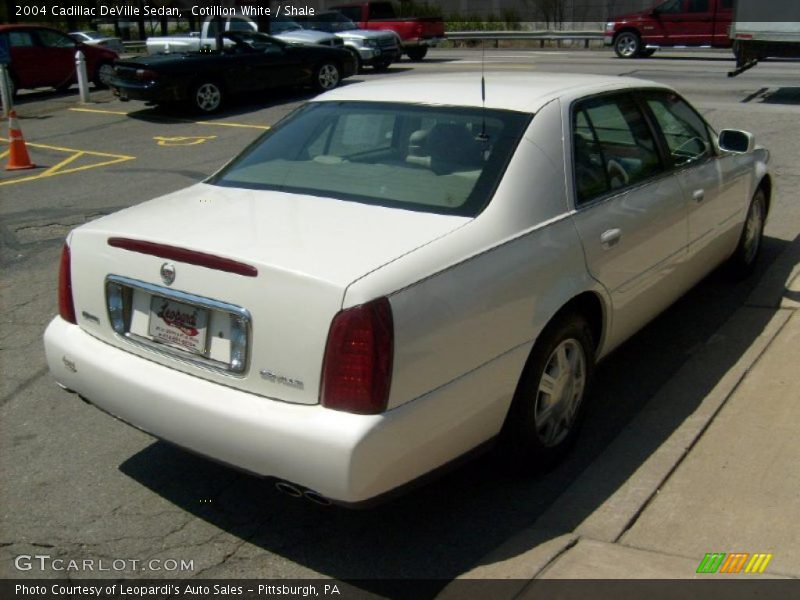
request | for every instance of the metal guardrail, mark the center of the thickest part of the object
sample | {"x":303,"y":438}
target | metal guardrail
{"x":135,"y":46}
{"x":541,"y":36}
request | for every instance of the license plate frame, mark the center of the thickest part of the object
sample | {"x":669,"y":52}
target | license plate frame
{"x":179,"y":325}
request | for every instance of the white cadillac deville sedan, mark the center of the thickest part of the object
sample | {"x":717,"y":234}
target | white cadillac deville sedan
{"x":400,"y":272}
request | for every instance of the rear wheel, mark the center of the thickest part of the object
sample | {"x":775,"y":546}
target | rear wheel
{"x":743,"y":261}
{"x":326,"y":77}
{"x":628,"y":44}
{"x":546,"y":411}
{"x":103,"y":75}
{"x":206,"y":97}
{"x":417,"y":53}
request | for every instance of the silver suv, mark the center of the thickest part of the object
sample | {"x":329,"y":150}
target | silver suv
{"x":377,"y":49}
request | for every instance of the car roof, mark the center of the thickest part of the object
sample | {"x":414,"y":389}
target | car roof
{"x":523,"y":92}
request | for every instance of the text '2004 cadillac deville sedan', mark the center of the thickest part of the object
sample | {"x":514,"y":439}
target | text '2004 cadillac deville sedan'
{"x":400,"y":272}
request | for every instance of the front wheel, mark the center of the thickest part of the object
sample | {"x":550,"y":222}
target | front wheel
{"x":417,"y":53}
{"x":382,"y":65}
{"x":206,"y":97}
{"x":326,"y":77}
{"x":546,"y":411}
{"x":628,"y":44}
{"x":743,"y":261}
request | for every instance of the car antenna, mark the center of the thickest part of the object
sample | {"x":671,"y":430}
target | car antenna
{"x":482,"y":137}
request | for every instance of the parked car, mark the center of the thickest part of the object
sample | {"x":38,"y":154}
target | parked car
{"x":250,"y":62}
{"x":95,"y":38}
{"x":282,"y":28}
{"x":401,"y":272}
{"x":671,"y":23}
{"x":376,"y":49}
{"x":45,"y":57}
{"x":416,"y":33}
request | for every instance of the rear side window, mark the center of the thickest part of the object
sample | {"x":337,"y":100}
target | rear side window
{"x":351,"y":12}
{"x":612,"y":145}
{"x":696,"y":6}
{"x":53,"y":39}
{"x":20,"y":39}
{"x":684,"y":130}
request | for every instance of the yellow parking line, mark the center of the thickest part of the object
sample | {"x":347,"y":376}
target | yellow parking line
{"x":220,"y":124}
{"x":97,"y":110}
{"x":58,"y":169}
{"x":245,"y":125}
{"x":64,"y":162}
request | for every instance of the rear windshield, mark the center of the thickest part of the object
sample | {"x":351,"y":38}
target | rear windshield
{"x":435,"y":159}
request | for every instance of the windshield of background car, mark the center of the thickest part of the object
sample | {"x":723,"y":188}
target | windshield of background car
{"x":445,"y":160}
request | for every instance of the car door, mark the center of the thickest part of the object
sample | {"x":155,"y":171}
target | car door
{"x":631,"y":213}
{"x":59,"y":52}
{"x":686,"y":22}
{"x":713,"y":183}
{"x":27,"y":60}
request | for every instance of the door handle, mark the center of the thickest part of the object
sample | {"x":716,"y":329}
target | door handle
{"x":699,"y":195}
{"x":610,"y":238}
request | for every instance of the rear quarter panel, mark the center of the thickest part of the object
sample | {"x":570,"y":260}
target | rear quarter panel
{"x":485,"y":291}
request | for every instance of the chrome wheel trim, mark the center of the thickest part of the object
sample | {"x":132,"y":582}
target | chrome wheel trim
{"x":753,"y":230}
{"x":560,"y":392}
{"x":105,"y":73}
{"x":328,"y":76}
{"x":208,"y":97}
{"x":627,"y":45}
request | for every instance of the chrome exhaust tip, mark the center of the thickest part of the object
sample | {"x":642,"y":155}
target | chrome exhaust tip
{"x":316,"y":498}
{"x":289,"y":489}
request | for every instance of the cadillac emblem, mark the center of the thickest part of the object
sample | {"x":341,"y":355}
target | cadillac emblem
{"x":167,"y":273}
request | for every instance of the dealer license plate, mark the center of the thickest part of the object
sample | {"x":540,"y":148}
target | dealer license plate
{"x":178,"y":324}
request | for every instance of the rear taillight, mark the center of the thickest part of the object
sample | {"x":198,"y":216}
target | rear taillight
{"x":357,"y":369}
{"x":146,"y":74}
{"x":66,"y":307}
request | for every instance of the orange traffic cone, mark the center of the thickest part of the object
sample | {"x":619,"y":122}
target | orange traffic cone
{"x":17,"y":152}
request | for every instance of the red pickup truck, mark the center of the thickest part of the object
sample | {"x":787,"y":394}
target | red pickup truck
{"x":417,"y":34}
{"x":671,"y":23}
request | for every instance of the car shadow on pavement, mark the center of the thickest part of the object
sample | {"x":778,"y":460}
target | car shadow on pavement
{"x":438,"y":531}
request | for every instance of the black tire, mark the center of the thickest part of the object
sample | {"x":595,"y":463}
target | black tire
{"x":206,"y":97}
{"x":417,"y":53}
{"x":382,"y":65}
{"x":357,"y":58}
{"x":743,"y":261}
{"x":327,"y":76}
{"x":103,"y":75}
{"x":628,"y":44}
{"x":541,"y":426}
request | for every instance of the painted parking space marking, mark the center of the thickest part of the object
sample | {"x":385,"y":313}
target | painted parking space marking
{"x":63,"y":166}
{"x":156,"y":117}
{"x":183,"y":140}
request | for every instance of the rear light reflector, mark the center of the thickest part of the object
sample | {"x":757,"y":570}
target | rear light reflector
{"x":66,"y":305}
{"x":357,"y":368}
{"x":192,"y":257}
{"x":146,"y":74}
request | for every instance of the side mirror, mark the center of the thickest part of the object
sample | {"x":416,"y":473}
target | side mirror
{"x":733,"y":140}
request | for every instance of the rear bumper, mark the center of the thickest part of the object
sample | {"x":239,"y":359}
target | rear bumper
{"x":346,"y":458}
{"x":149,"y":92}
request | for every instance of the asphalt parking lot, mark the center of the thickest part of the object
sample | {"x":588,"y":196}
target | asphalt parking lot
{"x":78,"y":484}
